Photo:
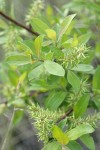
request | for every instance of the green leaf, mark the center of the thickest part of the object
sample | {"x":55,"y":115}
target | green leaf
{"x":36,"y":72}
{"x":18,"y":116}
{"x":39,"y":26}
{"x":96,"y":79}
{"x":81,"y":105}
{"x":54,"y":68}
{"x":58,"y":54}
{"x":73,"y":80}
{"x":53,"y":146}
{"x":83,"y":68}
{"x":83,"y":39}
{"x":23,"y":47}
{"x":37,"y":87}
{"x":38,"y":44}
{"x":30,"y":44}
{"x":22,"y":78}
{"x":62,"y":123}
{"x":18,"y":102}
{"x":13,"y":77}
{"x":80,"y":130}
{"x":51,"y":34}
{"x":60,"y":136}
{"x":55,"y":99}
{"x":74,"y":41}
{"x":65,"y":24}
{"x":73,"y":145}
{"x":18,"y":60}
{"x":97,"y":50}
{"x":88,"y":141}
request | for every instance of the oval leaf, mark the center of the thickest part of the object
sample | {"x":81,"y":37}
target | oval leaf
{"x":51,"y":34}
{"x":65,"y":24}
{"x":53,"y":145}
{"x":81,"y":105}
{"x":73,"y":80}
{"x":96,"y":79}
{"x":55,"y":99}
{"x":36,"y":72}
{"x":73,"y":145}
{"x":39,"y":26}
{"x":83,"y":68}
{"x":83,"y":39}
{"x":23,"y":47}
{"x":88,"y":141}
{"x":18,"y":116}
{"x":38,"y":44}
{"x":54,"y":68}
{"x":60,"y":136}
{"x":80,"y":130}
{"x":18,"y":60}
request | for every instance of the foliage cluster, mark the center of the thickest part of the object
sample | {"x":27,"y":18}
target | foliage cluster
{"x":54,"y":75}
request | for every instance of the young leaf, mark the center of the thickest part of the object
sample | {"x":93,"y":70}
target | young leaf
{"x":55,"y":99}
{"x":83,"y":68}
{"x":22,"y":78}
{"x":18,"y":60}
{"x":36,"y":72}
{"x":39,"y":26}
{"x":54,"y":68}
{"x":73,"y":145}
{"x":30,"y":44}
{"x":80,"y":130}
{"x":62,"y":123}
{"x":23,"y":47}
{"x":13,"y":77}
{"x":96,"y":79}
{"x":64,"y":26}
{"x":38,"y":44}
{"x":18,"y":116}
{"x":73,"y":80}
{"x":37,"y":87}
{"x":60,"y":136}
{"x":51,"y":34}
{"x":18,"y":103}
{"x":75,"y":41}
{"x":53,"y":145}
{"x":88,"y":141}
{"x":83,"y":39}
{"x":81,"y":105}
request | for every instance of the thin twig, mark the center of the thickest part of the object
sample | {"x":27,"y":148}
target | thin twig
{"x":18,"y":24}
{"x":65,"y":115}
{"x":8,"y":131}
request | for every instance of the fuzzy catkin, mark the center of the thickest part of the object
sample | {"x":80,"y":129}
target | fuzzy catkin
{"x":2,"y":5}
{"x":44,"y":120}
{"x":11,"y":38}
{"x":35,"y":9}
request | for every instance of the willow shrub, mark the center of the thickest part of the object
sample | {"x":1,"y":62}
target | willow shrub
{"x":52,"y":63}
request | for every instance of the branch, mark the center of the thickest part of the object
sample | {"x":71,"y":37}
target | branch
{"x":18,"y":24}
{"x":65,"y":115}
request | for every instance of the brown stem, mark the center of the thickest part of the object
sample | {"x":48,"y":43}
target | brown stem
{"x":18,"y":24}
{"x":65,"y":115}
